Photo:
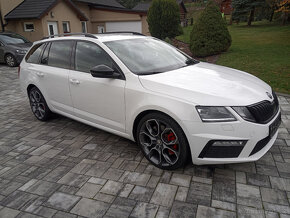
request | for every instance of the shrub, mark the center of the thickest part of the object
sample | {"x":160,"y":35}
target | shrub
{"x":164,"y":19}
{"x":210,"y":34}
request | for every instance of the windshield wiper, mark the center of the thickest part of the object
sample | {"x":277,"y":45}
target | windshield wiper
{"x":148,"y":73}
{"x":191,"y":62}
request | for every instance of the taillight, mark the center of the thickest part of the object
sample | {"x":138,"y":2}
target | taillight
{"x":18,"y":71}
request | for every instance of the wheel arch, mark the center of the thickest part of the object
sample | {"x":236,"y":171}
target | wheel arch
{"x":145,"y":112}
{"x":148,"y":111}
{"x":29,"y":87}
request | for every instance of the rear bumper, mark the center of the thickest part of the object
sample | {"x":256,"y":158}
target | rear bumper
{"x":256,"y":136}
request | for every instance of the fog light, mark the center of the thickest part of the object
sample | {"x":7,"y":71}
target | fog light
{"x":229,"y":143}
{"x":223,"y":149}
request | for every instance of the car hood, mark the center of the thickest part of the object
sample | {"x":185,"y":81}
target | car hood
{"x":23,"y":46}
{"x":209,"y":84}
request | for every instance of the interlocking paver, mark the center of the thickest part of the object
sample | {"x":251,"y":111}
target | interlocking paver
{"x":43,"y":188}
{"x":8,"y":213}
{"x":249,"y":195}
{"x":181,"y":209}
{"x":89,"y":190}
{"x":140,"y":193}
{"x":199,"y":193}
{"x":258,"y":180}
{"x":90,"y":208}
{"x":274,"y":196}
{"x":244,"y":211}
{"x":224,"y":190}
{"x":164,"y":195}
{"x":180,"y":179}
{"x":62,"y":201}
{"x":112,"y":188}
{"x":144,"y":210}
{"x":63,"y":168}
{"x":73,"y":179}
{"x":203,"y":211}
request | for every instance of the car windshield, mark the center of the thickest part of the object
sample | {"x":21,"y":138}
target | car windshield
{"x":12,"y":39}
{"x":149,"y":56}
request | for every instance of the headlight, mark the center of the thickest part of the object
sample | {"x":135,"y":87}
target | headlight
{"x":215,"y":114}
{"x":21,"y":51}
{"x":244,"y":113}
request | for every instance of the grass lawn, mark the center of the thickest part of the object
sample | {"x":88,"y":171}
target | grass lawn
{"x":262,"y":50}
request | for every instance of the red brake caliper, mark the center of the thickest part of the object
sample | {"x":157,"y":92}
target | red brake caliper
{"x":171,"y":137}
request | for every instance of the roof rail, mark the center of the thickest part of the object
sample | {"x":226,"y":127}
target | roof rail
{"x":123,"y":32}
{"x":72,"y":34}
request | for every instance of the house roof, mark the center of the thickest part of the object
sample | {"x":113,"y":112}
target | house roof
{"x":104,"y":3}
{"x":144,"y":6}
{"x":31,"y":9}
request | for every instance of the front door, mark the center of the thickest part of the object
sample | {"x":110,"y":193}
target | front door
{"x":98,"y":100}
{"x":52,"y":28}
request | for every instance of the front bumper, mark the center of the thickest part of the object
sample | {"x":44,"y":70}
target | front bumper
{"x":257,"y":138}
{"x":19,"y":57}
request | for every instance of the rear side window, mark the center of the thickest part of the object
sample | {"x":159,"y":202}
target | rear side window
{"x":89,"y":55}
{"x":44,"y":58}
{"x":60,"y":54}
{"x":34,"y":54}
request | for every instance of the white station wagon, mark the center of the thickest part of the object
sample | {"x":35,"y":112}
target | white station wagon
{"x":143,"y":89}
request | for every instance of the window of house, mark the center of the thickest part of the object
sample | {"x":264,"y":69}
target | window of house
{"x":89,"y":55}
{"x":60,"y":54}
{"x":33,"y":56}
{"x":101,"y":29}
{"x":66,"y":27}
{"x":84,"y":27}
{"x":28,"y":27}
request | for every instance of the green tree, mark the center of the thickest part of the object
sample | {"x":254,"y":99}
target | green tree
{"x":164,"y":19}
{"x":245,"y":9}
{"x":209,"y":34}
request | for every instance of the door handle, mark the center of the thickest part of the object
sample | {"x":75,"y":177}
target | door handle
{"x":74,"y":81}
{"x":40,"y":74}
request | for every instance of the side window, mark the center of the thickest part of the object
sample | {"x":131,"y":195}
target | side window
{"x":89,"y":55}
{"x":44,"y":58}
{"x":35,"y":52}
{"x":60,"y":54}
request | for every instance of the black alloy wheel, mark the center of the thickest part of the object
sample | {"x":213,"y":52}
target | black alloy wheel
{"x":162,"y":141}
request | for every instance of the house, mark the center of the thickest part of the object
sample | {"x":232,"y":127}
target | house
{"x":225,"y":6}
{"x":183,"y":12}
{"x":35,"y":19}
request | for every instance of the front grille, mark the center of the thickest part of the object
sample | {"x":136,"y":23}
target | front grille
{"x":264,"y":111}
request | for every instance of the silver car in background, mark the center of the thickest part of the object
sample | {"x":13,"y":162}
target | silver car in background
{"x":13,"y":48}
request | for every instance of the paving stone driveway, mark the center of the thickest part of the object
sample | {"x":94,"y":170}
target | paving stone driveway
{"x":66,"y":169}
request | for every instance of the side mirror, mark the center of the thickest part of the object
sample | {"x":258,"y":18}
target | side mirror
{"x":103,"y":71}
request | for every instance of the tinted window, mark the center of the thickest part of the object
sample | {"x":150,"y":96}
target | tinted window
{"x":12,"y":39}
{"x":44,"y":58}
{"x":89,"y":55}
{"x":35,"y":52}
{"x":60,"y":53}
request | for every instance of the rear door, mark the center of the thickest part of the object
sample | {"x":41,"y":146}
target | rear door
{"x":53,"y":73}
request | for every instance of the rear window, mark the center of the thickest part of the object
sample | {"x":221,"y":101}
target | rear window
{"x":60,"y":54}
{"x":34,"y":54}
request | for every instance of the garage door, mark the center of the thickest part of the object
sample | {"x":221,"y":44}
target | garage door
{"x":134,"y":26}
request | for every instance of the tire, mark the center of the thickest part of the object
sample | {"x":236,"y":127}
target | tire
{"x":38,"y":105}
{"x":11,"y":60}
{"x":162,"y":141}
